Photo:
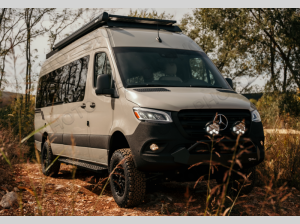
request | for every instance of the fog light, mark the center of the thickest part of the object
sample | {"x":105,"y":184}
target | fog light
{"x":239,"y":128}
{"x":154,"y":147}
{"x":212,"y":129}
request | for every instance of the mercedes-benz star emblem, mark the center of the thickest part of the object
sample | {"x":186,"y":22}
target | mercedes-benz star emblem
{"x":222,"y":121}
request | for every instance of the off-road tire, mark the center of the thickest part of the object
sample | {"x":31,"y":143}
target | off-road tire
{"x":47,"y":158}
{"x":135,"y":184}
{"x":233,"y":186}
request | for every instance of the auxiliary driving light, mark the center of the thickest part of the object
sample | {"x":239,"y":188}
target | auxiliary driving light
{"x":212,"y":129}
{"x":239,"y":128}
{"x":154,"y":147}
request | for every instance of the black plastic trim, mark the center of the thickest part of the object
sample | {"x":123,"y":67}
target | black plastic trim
{"x":99,"y":141}
{"x":147,"y":133}
{"x":183,"y":156}
{"x":144,"y":26}
{"x":96,"y":167}
{"x":38,"y":137}
{"x":141,"y":20}
{"x":83,"y":140}
{"x":79,"y":139}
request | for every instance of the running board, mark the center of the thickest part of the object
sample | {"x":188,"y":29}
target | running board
{"x":84,"y":164}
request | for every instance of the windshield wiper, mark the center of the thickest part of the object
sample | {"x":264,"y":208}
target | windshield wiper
{"x":148,"y":85}
{"x":217,"y":87}
{"x":160,"y":85}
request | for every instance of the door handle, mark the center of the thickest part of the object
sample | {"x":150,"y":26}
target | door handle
{"x":93,"y":105}
{"x":83,"y":106}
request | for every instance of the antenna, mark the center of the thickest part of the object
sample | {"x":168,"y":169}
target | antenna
{"x":158,"y":38}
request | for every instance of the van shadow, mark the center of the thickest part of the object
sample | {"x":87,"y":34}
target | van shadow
{"x":92,"y":182}
{"x":173,"y":193}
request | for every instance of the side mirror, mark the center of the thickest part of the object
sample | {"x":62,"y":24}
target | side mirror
{"x":103,"y":85}
{"x":229,"y":80}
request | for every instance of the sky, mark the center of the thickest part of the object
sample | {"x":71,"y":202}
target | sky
{"x":42,"y":47}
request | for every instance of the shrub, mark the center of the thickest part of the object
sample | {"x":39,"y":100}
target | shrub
{"x":11,"y":152}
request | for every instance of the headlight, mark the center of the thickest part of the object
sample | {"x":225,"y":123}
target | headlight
{"x":255,"y":116}
{"x":151,"y":115}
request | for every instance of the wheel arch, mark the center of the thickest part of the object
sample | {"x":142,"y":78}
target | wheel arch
{"x":44,"y":139}
{"x":117,"y":141}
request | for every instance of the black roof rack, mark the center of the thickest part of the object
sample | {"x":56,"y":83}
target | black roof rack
{"x":114,"y":21}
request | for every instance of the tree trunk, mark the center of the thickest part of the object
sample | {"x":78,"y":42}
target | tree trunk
{"x":2,"y":71}
{"x":273,"y":78}
{"x":2,"y":16}
{"x":284,"y":78}
{"x":28,"y":15}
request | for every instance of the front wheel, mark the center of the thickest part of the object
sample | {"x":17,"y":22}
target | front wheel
{"x":128,"y":184}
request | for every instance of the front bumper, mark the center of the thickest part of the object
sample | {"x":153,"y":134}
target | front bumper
{"x":248,"y":158}
{"x":175,"y":150}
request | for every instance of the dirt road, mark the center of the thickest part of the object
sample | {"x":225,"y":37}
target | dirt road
{"x":64,"y":195}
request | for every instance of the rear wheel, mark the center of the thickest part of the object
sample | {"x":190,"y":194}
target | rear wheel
{"x":128,"y":184}
{"x":47,"y":159}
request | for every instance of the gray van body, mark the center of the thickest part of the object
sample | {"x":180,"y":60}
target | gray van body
{"x":93,"y":128}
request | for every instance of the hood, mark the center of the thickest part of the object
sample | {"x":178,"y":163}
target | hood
{"x":180,"y":98}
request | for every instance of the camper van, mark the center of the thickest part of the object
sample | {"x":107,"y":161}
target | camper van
{"x":141,"y":100}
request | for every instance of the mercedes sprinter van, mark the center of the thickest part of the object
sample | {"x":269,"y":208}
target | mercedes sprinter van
{"x":140,"y":99}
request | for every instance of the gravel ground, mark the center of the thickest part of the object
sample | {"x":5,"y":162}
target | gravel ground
{"x":64,"y":196}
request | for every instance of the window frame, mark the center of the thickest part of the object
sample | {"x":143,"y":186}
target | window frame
{"x":94,"y":69}
{"x":54,"y":71}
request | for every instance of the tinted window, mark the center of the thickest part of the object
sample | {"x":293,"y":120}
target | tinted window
{"x":65,"y":84}
{"x":167,"y":67}
{"x":102,"y":66}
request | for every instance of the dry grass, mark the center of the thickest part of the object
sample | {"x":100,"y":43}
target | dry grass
{"x":11,"y":152}
{"x":278,"y":182}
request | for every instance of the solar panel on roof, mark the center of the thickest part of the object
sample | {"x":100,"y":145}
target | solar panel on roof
{"x":114,"y":21}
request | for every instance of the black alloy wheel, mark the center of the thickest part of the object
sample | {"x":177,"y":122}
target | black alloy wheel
{"x":118,"y":178}
{"x":128,"y":184}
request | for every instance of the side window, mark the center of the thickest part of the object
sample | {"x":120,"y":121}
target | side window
{"x":41,"y":98}
{"x":102,"y":66}
{"x":64,"y":85}
{"x":200,"y":72}
{"x":74,"y":80}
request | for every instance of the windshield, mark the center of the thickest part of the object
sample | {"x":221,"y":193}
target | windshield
{"x":141,"y":67}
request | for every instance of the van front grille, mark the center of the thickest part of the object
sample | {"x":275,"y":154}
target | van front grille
{"x":193,"y":122}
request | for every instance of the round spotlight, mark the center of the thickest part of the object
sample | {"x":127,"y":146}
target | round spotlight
{"x":239,"y":128}
{"x":212,"y":128}
{"x":154,"y":147}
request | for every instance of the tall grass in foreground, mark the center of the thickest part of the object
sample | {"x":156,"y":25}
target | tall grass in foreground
{"x":280,"y":169}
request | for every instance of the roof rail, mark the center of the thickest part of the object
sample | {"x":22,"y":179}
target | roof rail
{"x":114,"y":21}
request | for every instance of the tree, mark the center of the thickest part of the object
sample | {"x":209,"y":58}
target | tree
{"x":11,"y":34}
{"x":218,"y":32}
{"x":151,"y":15}
{"x":250,"y":42}
{"x":282,"y":28}
{"x":61,"y":21}
{"x":34,"y":28}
